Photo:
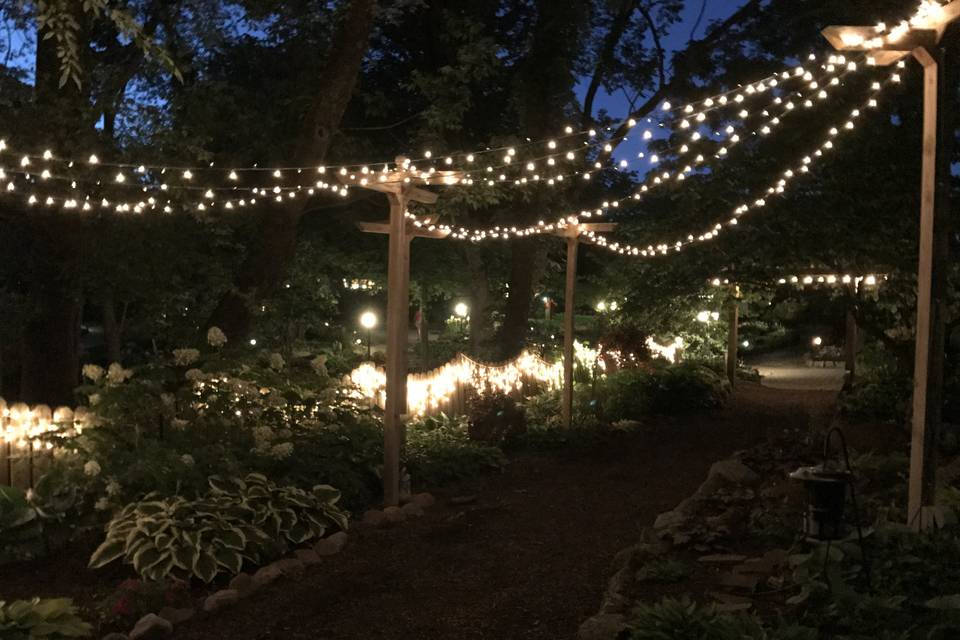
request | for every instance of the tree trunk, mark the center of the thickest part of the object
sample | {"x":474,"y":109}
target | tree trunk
{"x":526,"y":253}
{"x":274,"y":246}
{"x":50,"y":354}
{"x":111,"y":329}
{"x":479,"y":300}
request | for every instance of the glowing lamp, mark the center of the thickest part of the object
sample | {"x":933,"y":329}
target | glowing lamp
{"x":368,"y":320}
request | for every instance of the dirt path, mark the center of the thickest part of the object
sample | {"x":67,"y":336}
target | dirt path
{"x":529,"y":558}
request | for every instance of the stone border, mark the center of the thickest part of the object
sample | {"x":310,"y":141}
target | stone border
{"x":156,"y":626}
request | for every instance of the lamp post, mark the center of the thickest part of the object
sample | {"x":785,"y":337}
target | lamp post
{"x":886,"y":45}
{"x":462,"y":311}
{"x":368,"y":320}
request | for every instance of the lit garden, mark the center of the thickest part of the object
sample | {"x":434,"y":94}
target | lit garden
{"x":431,"y":319}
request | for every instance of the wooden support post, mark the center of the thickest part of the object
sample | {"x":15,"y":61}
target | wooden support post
{"x":850,"y":344}
{"x":926,"y":413}
{"x":568,"y":329}
{"x":733,"y":330}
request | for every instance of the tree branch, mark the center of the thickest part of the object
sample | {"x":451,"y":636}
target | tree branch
{"x":620,"y":23}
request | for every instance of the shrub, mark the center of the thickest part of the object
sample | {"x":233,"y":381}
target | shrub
{"x":439,"y":450}
{"x":53,"y":619}
{"x":680,"y":388}
{"x":881,"y":395}
{"x":21,"y":531}
{"x":495,"y":417}
{"x":684,"y":620}
{"x":249,"y":520}
{"x":134,"y":599}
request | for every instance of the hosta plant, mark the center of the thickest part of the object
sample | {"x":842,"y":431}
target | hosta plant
{"x":239,"y":520}
{"x":52,"y":619}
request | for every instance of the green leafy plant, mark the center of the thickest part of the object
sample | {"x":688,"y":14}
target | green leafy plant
{"x":673,"y":389}
{"x":53,"y":619}
{"x":249,"y":520}
{"x":133,"y":599}
{"x":495,"y":418}
{"x":21,"y":531}
{"x":439,"y":450}
{"x":685,"y":620}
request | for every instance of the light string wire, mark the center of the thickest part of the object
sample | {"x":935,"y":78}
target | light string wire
{"x":506,"y":232}
{"x":719,"y":99}
{"x":778,"y":188}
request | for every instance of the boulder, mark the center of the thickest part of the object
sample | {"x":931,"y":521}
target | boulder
{"x":114,"y":636}
{"x":394,"y":515}
{"x":221,"y":599}
{"x":176,"y":616}
{"x":151,"y":627}
{"x":604,"y":626}
{"x":332,"y":545}
{"x":425,"y":500}
{"x":734,"y":471}
{"x":243,"y":584}
{"x":459,"y":500}
{"x":412,"y":510}
{"x":308,"y":557}
{"x":669,"y":520}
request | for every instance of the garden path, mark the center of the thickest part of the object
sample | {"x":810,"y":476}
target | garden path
{"x":529,"y":558}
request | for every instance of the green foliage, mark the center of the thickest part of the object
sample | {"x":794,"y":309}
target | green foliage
{"x":250,"y":520}
{"x":686,"y":387}
{"x":21,"y":531}
{"x":53,"y":619}
{"x":880,"y":392}
{"x":440,"y":450}
{"x":495,"y":418}
{"x":684,"y":620}
{"x":134,"y":599}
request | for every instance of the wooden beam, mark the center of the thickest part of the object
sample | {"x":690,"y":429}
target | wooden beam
{"x":568,"y":330}
{"x":851,"y":38}
{"x":923,"y":445}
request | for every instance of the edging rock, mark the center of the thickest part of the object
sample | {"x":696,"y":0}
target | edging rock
{"x":603,"y":626}
{"x":331,"y":545}
{"x":394,"y":515}
{"x":220,"y":599}
{"x":176,"y":616}
{"x":151,"y":627}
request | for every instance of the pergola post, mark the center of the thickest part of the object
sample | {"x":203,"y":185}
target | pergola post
{"x":399,"y":187}
{"x":918,"y":39}
{"x":572,"y":234}
{"x":926,"y":408}
{"x":850,"y":345}
{"x":733,"y":331}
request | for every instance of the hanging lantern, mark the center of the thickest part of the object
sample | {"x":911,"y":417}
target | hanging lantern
{"x":826,"y":488}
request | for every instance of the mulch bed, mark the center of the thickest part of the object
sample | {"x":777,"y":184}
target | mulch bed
{"x":527,"y":559}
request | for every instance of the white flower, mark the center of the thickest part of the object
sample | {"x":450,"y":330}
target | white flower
{"x":179,"y":424}
{"x":319,"y":365}
{"x":102,"y":504}
{"x":276,"y":361}
{"x":116,"y":374}
{"x":187,"y":459}
{"x":216,"y":337}
{"x":113,"y":487}
{"x":92,"y":372}
{"x":92,"y":468}
{"x":185,"y":357}
{"x":282,"y":450}
{"x":30,"y":495}
{"x":94,"y":399}
{"x":193,"y":374}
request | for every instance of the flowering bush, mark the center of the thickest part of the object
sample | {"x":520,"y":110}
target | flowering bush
{"x":133,"y":599}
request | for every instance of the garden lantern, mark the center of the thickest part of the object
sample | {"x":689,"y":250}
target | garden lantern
{"x":368,"y":320}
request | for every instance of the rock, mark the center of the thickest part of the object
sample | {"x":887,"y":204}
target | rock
{"x":412,"y":510}
{"x":375,"y":518}
{"x":176,"y":616}
{"x":289,"y":567}
{"x":458,"y":500}
{"x":669,"y":520}
{"x":604,"y":626}
{"x":740,"y":581}
{"x":308,"y":557}
{"x":733,"y":607}
{"x":266,"y":575}
{"x":151,"y":627}
{"x":221,"y":599}
{"x":734,"y":471}
{"x":114,"y":636}
{"x":394,"y":515}
{"x":331,"y":545}
{"x":728,"y":598}
{"x":243,"y":584}
{"x":425,"y":500}
{"x":722,"y":557}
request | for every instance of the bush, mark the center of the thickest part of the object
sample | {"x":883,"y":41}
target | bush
{"x":495,"y":418}
{"x":685,"y":620}
{"x":53,"y":619}
{"x":439,"y":450}
{"x":882,"y":395}
{"x":21,"y":531}
{"x":134,"y":599}
{"x":250,"y":520}
{"x":681,"y":388}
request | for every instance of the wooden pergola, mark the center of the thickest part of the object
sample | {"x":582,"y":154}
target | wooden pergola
{"x":918,"y":39}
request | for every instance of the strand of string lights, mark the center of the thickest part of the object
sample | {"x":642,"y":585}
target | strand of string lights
{"x":777,"y":188}
{"x":541,"y":227}
{"x":280,"y":194}
{"x":467,"y":160}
